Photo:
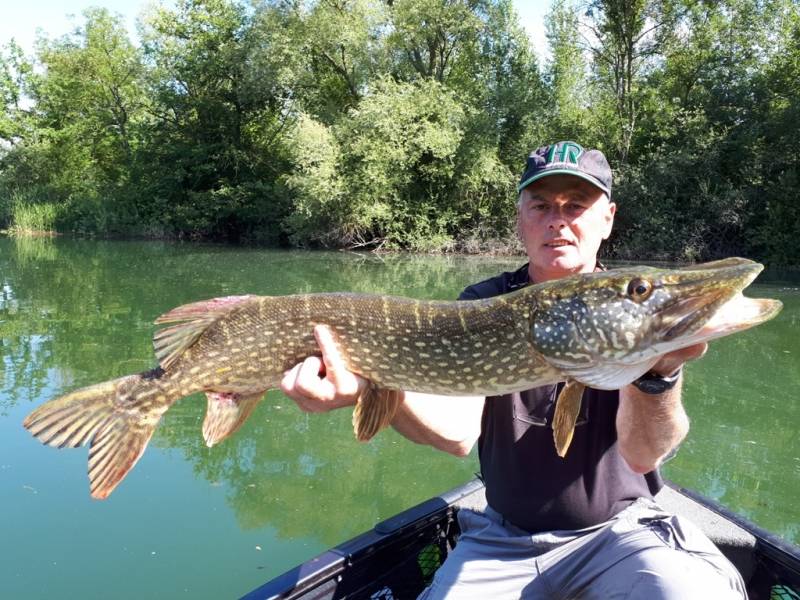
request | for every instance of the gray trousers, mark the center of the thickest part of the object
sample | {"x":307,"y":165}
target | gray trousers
{"x":643,"y":552}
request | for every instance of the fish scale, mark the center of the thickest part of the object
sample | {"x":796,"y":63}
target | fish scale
{"x":602,"y":329}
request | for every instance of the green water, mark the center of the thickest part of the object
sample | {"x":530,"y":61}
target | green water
{"x":211,"y":523}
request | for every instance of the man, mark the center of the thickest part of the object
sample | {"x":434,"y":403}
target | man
{"x":585,"y":525}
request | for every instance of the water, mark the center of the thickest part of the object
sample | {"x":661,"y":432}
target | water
{"x":208,"y":523}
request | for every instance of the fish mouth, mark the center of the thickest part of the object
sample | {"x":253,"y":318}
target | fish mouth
{"x":739,"y":313}
{"x":709,"y":302}
{"x":683,"y":315}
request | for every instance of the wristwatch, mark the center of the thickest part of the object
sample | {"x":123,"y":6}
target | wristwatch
{"x":653,"y":383}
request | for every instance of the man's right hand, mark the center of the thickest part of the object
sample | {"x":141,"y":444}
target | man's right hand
{"x":320,"y":384}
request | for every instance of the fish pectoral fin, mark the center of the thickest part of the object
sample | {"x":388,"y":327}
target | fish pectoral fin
{"x":227,"y":412}
{"x":375,"y":410}
{"x":568,"y":406}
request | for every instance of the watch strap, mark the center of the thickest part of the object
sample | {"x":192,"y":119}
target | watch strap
{"x":653,"y":383}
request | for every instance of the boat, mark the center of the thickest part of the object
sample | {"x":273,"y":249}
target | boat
{"x":397,"y":558}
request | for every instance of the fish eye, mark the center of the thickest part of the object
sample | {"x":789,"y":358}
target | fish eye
{"x":639,"y":289}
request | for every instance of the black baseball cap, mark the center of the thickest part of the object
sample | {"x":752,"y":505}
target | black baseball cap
{"x":567,"y":158}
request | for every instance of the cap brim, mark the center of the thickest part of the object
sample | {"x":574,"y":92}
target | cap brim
{"x":583,"y":176}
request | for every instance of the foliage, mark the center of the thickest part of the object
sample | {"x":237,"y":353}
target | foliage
{"x":404,"y":124}
{"x":566,"y":74}
{"x":33,"y":216}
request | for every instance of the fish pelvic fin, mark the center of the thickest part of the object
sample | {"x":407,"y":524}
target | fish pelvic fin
{"x":226,"y":413}
{"x":568,"y":406}
{"x":374,"y":411}
{"x":117,"y":418}
{"x":171,"y":342}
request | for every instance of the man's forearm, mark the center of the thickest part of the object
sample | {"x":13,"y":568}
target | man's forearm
{"x":650,"y":426}
{"x":448,"y":423}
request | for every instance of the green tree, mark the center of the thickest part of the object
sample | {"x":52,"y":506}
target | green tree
{"x":566,"y":74}
{"x":429,"y":35}
{"x":497,"y":75}
{"x":15,"y":70}
{"x":215,"y":148}
{"x":404,"y":123}
{"x":396,"y":160}
{"x":344,"y":42}
{"x":15,"y":119}
{"x":87,"y":101}
{"x":707,"y":153}
{"x":626,"y":38}
{"x":773,"y":229}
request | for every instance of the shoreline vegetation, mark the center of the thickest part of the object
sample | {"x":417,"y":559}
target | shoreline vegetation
{"x":469,"y":247}
{"x":403,"y":125}
{"x":46,"y":245}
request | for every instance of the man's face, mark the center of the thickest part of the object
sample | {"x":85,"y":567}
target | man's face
{"x":562,"y":220}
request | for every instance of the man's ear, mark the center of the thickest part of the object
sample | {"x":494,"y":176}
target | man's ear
{"x":612,"y":210}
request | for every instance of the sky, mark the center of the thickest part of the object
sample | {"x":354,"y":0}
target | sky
{"x":22,"y":18}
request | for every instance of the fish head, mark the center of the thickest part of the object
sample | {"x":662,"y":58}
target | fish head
{"x":605,"y":329}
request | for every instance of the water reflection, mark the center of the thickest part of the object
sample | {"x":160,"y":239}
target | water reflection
{"x":74,"y":313}
{"x":305,"y":473}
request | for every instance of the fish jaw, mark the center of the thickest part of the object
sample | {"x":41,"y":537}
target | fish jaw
{"x":737,"y":314}
{"x":714,"y":308}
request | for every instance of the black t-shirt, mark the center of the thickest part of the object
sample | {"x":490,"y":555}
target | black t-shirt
{"x":526,"y":481}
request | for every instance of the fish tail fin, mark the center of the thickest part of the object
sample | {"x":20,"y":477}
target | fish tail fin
{"x":375,"y":410}
{"x":116,"y":417}
{"x":226,"y":413}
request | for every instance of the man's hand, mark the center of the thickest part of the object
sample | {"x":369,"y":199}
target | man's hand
{"x":323,"y":384}
{"x":320,"y":384}
{"x":671,"y":362}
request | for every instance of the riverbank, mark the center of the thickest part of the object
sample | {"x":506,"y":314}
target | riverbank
{"x":491,"y":248}
{"x":468,"y":246}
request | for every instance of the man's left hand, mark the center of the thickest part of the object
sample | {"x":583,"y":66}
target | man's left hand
{"x":674,"y":360}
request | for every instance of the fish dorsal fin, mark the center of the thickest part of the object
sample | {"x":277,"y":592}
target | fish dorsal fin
{"x":195,"y":318}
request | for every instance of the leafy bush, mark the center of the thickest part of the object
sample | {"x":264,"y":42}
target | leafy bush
{"x":27,"y":217}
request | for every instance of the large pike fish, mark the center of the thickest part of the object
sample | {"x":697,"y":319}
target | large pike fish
{"x":602,"y":329}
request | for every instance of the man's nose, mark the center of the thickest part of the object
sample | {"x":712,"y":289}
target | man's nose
{"x":556,"y":218}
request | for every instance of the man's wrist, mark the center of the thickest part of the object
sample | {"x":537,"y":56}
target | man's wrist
{"x":654,"y":384}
